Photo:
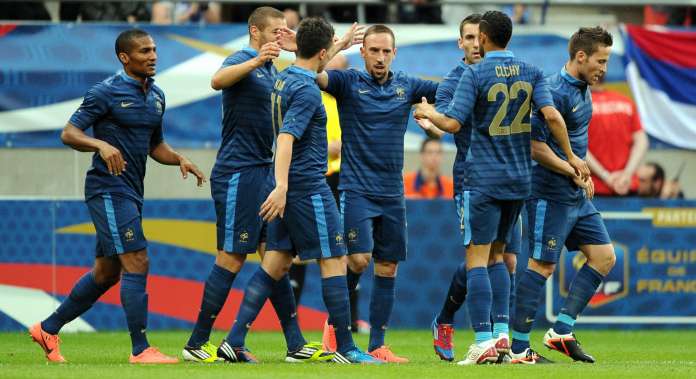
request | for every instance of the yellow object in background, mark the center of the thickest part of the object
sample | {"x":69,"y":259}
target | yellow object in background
{"x":333,"y":129}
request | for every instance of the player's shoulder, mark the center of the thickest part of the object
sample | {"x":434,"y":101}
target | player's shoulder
{"x":157,"y":90}
{"x":107,"y":86}
{"x":240,"y":55}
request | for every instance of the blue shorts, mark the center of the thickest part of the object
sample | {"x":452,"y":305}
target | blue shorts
{"x":514,"y":244}
{"x":484,"y":219}
{"x":552,"y":225}
{"x":118,"y":221}
{"x":238,"y":198}
{"x":375,"y":225}
{"x":311,"y":227}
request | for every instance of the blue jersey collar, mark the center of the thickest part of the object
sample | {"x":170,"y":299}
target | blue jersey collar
{"x":499,"y":54}
{"x":571,"y":79}
{"x":129,"y":80}
{"x":303,"y":71}
{"x":463,"y":64}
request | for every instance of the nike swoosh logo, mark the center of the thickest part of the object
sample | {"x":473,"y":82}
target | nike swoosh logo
{"x":248,"y":325}
{"x":360,"y":91}
{"x":529,"y":320}
{"x":259,"y":75}
{"x":125,"y":105}
{"x":576,"y":108}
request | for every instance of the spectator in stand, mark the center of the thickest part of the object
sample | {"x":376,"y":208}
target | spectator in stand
{"x":427,"y":182}
{"x":518,"y":13}
{"x":167,"y":12}
{"x":652,"y":183}
{"x":24,"y":10}
{"x":617,"y":142}
{"x":118,"y":11}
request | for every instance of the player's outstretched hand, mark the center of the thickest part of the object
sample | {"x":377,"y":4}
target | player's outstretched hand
{"x":113,"y":159}
{"x":268,"y":51}
{"x":187,"y":166}
{"x":422,"y":109}
{"x":274,"y":206}
{"x":353,"y":36}
{"x":429,"y":127}
{"x":580,"y":166}
{"x":287,"y":39}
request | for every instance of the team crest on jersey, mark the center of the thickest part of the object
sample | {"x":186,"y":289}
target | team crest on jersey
{"x":352,"y":235}
{"x":129,"y":235}
{"x":552,"y":243}
{"x":400,"y":93}
{"x":244,"y":237}
{"x":615,"y":284}
{"x":339,"y":238}
{"x":158,"y":104}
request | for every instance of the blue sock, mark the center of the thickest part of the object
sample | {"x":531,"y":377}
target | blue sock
{"x":283,"y":302}
{"x":215,"y":292}
{"x":381,"y":305}
{"x":586,"y":282}
{"x":83,"y":295}
{"x":512,"y":296}
{"x":455,"y":296}
{"x":334,"y":290}
{"x":134,"y":301}
{"x":352,"y":279}
{"x":528,"y":295}
{"x":479,"y":299}
{"x":258,"y":289}
{"x":500,"y":287}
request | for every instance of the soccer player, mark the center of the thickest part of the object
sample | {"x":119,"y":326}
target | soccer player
{"x":301,"y":210}
{"x":559,"y":211}
{"x":442,"y":327}
{"x":496,"y":93}
{"x":374,"y":106}
{"x":126,"y":112}
{"x":242,"y":172}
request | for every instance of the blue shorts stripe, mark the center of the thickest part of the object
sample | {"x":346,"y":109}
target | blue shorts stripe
{"x":111,"y":218}
{"x":539,"y":228}
{"x":467,"y":222}
{"x":322,"y":228}
{"x":230,"y":207}
{"x":341,"y":206}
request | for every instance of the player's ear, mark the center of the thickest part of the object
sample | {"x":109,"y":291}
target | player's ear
{"x":460,"y":43}
{"x":254,"y":32}
{"x":580,"y":57}
{"x":123,"y":57}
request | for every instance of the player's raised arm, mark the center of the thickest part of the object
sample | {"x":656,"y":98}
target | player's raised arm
{"x":231,"y":73}
{"x":353,"y":36}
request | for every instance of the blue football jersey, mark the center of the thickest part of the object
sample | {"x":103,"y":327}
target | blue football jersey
{"x":298,"y":110}
{"x":498,"y":93}
{"x":573,"y":100}
{"x":462,"y":138}
{"x":128,"y":119}
{"x":247,"y":133}
{"x":373,"y":121}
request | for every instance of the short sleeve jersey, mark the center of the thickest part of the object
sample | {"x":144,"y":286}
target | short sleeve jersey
{"x":498,"y":93}
{"x":373,"y":120}
{"x":247,"y":133}
{"x":573,"y":100}
{"x":302,"y":115}
{"x":462,"y":138}
{"x":127,"y":118}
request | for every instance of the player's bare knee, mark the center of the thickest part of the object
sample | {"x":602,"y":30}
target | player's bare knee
{"x":510,"y":262}
{"x":544,"y":269}
{"x":358,"y":262}
{"x":385,"y":268}
{"x":136,"y":262}
{"x":334,"y":266}
{"x":106,"y":278}
{"x":230,"y":261}
{"x":603,"y":260}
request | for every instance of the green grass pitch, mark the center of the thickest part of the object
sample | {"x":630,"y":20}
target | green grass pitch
{"x":620,"y":354}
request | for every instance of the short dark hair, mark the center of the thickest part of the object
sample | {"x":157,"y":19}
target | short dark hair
{"x":259,"y":17}
{"x":313,"y":34}
{"x":474,"y":18}
{"x":428,"y":140}
{"x":659,"y":171}
{"x":379,"y":29}
{"x":124,"y":41}
{"x":588,"y":40}
{"x":497,"y":26}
